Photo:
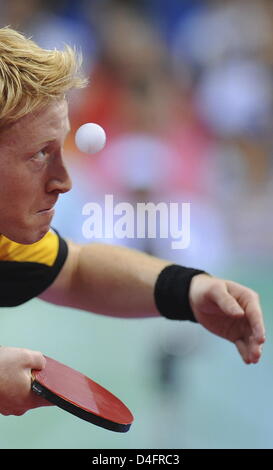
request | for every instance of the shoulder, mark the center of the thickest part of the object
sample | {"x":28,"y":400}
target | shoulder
{"x":27,"y":270}
{"x":45,"y":251}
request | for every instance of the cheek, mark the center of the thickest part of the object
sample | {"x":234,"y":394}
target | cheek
{"x":18,"y":190}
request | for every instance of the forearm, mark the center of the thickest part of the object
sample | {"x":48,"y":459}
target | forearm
{"x":115,"y":281}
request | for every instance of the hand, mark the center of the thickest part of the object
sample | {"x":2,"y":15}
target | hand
{"x":16,"y":396}
{"x":231,"y":311}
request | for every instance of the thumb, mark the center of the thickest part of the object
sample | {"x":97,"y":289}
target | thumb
{"x":35,"y":360}
{"x":227,"y":303}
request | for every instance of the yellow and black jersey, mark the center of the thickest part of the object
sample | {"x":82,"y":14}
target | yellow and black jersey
{"x":27,"y":270}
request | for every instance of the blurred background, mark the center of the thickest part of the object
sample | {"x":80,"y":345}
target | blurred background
{"x":184,"y":92}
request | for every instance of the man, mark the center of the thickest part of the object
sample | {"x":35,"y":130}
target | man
{"x":36,"y":261}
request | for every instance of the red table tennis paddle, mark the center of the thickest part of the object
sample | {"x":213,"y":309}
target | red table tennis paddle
{"x":81,"y":396}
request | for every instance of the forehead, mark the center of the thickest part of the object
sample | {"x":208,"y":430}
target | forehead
{"x":48,"y":124}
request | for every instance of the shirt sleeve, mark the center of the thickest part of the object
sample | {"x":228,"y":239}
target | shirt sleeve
{"x":27,"y":270}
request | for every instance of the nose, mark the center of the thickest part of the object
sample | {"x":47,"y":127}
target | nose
{"x":59,"y":180}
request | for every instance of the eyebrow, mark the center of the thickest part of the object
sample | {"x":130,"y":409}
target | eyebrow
{"x":47,"y":142}
{"x":44,"y":144}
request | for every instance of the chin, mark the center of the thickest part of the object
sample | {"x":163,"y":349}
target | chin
{"x":27,"y":237}
{"x":36,"y":237}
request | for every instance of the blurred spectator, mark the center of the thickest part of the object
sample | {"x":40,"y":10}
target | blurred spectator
{"x":228,"y":49}
{"x":222,"y":30}
{"x":50,"y":27}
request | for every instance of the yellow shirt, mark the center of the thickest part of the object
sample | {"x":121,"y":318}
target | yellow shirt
{"x":27,"y":270}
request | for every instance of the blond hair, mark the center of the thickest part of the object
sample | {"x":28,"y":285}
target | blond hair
{"x":31,"y":76}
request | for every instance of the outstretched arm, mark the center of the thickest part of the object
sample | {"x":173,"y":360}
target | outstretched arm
{"x":107,"y":279}
{"x":118,"y":281}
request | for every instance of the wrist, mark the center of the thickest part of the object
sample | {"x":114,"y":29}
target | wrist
{"x":171,"y":292}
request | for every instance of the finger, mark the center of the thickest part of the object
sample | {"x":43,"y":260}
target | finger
{"x":251,"y":304}
{"x":231,"y":306}
{"x":250,"y":351}
{"x":33,"y":401}
{"x":33,"y":359}
{"x":225,"y":301}
{"x":255,"y":318}
{"x":242,"y":348}
{"x":37,"y":402}
{"x":255,"y":350}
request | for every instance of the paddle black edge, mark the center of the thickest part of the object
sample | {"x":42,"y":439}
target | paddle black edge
{"x":75,"y":410}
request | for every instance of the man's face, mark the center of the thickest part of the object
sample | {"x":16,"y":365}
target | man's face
{"x":32,"y":172}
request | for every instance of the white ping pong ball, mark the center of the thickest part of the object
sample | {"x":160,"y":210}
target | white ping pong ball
{"x":90,"y":138}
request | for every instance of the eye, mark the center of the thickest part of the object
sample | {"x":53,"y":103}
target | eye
{"x":40,"y":156}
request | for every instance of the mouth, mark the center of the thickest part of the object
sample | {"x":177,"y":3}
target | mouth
{"x":49,"y":211}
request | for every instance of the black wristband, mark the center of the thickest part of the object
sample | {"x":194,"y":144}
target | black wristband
{"x":171,"y":292}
